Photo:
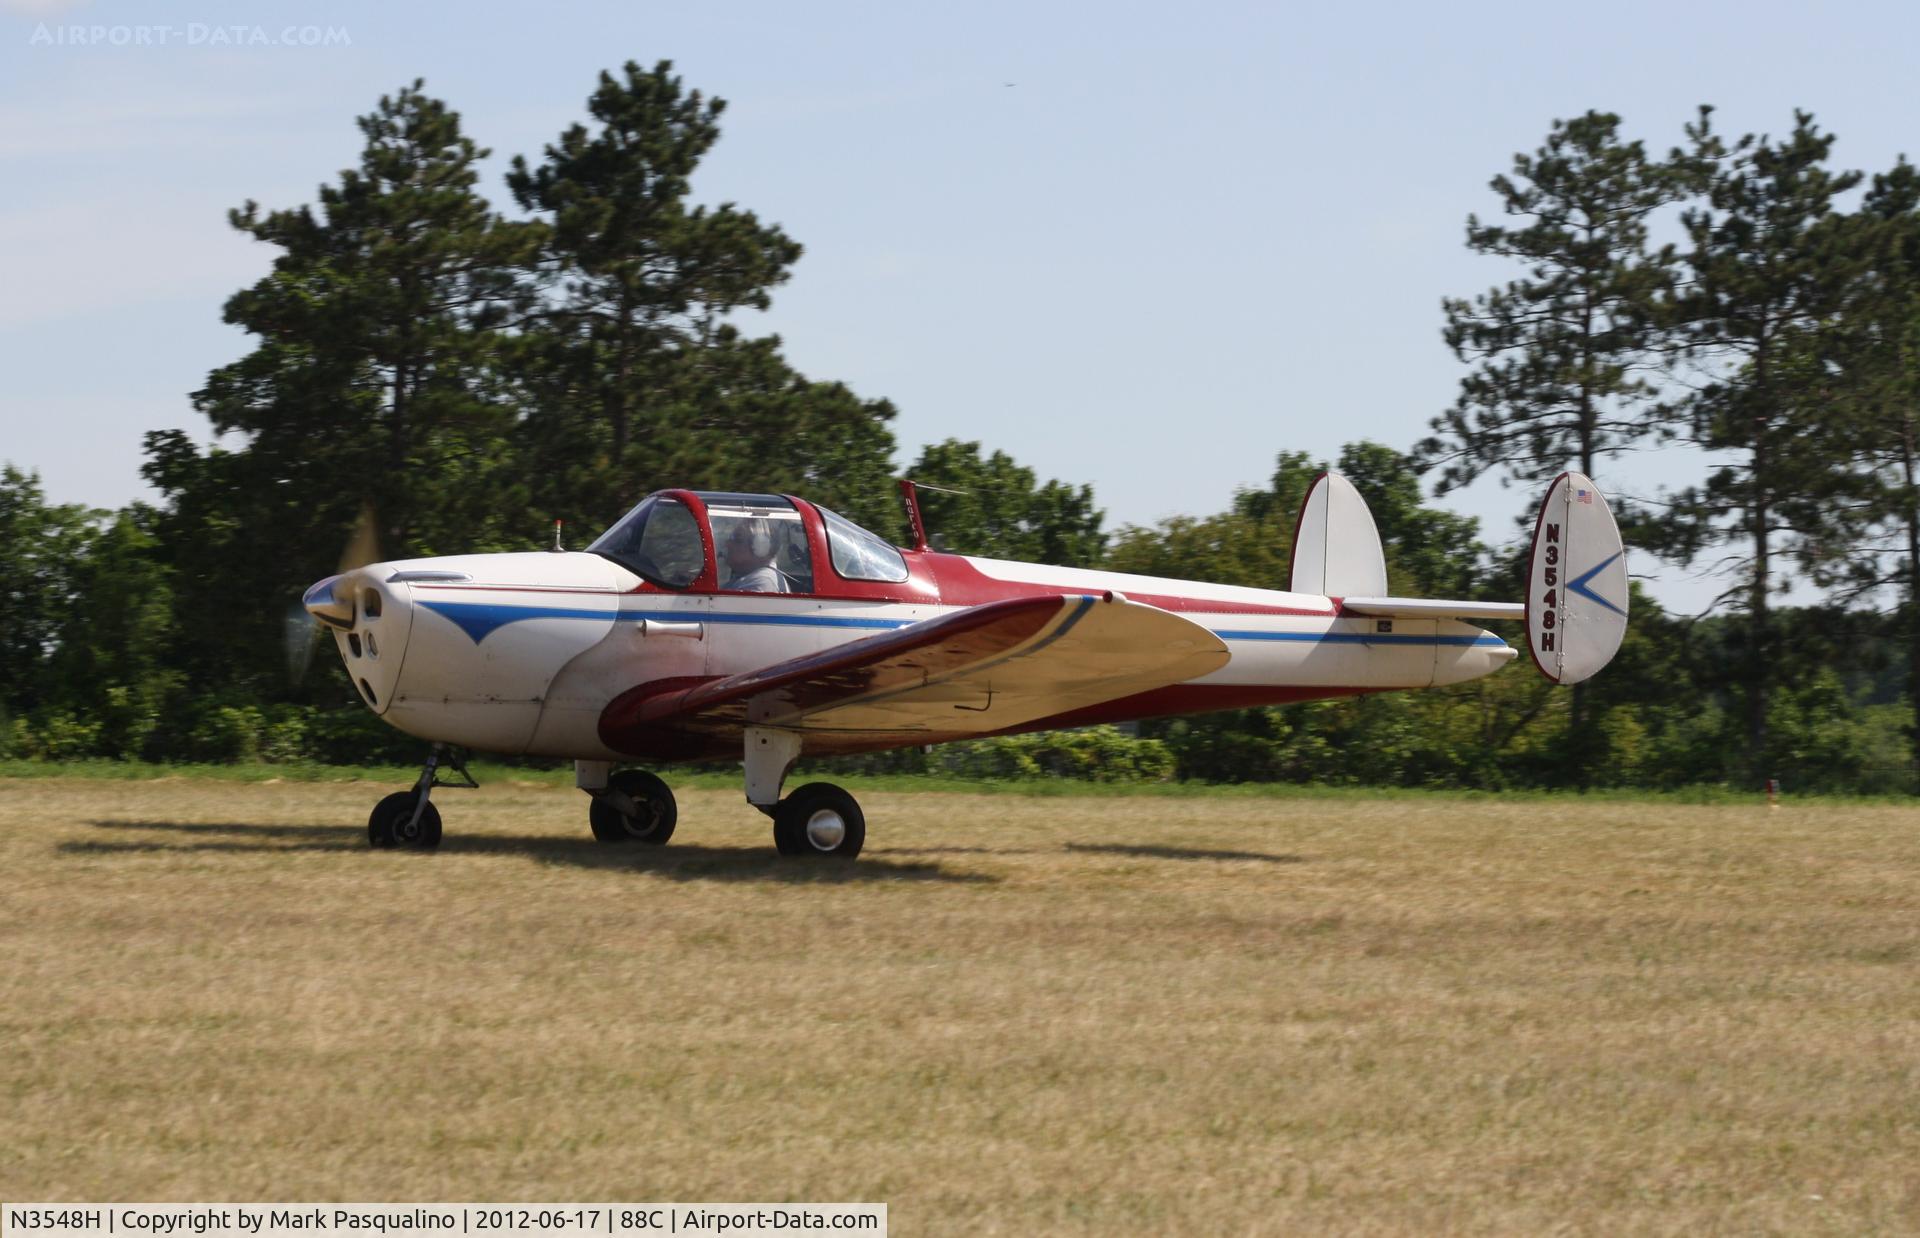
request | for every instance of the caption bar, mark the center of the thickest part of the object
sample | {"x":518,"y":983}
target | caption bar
{"x":417,"y":1220}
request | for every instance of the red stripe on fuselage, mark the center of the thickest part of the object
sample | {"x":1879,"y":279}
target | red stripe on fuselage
{"x":963,"y":584}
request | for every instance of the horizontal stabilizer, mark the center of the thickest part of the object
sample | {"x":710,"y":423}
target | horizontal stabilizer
{"x":1434,"y":608}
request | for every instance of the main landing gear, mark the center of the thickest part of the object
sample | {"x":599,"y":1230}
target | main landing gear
{"x":408,"y":818}
{"x":634,"y":807}
{"x":819,"y":819}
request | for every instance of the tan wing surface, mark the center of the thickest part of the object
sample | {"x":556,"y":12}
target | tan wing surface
{"x":975,"y":671}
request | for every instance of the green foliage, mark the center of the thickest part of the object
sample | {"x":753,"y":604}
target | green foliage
{"x":60,"y":736}
{"x":1093,"y":754}
{"x":1097,"y":754}
{"x":1770,"y":266}
{"x":42,"y":546}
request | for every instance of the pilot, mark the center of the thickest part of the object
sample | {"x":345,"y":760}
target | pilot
{"x":750,"y":559}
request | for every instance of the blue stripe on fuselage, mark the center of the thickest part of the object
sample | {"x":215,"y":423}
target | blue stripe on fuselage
{"x":481,"y":619}
{"x":1486,"y":639}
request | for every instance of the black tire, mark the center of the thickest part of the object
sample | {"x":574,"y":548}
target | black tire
{"x":391,"y":823}
{"x":659,"y":814}
{"x":799,"y":828}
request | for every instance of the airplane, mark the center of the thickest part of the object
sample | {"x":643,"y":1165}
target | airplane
{"x":763,"y":628}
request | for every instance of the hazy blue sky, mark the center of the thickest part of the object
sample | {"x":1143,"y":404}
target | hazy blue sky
{"x":1146,"y":247}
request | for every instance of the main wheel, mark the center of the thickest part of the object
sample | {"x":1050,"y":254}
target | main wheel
{"x":819,"y":819}
{"x":392,"y":822}
{"x":654,"y":818}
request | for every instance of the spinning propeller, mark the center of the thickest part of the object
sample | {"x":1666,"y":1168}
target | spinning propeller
{"x":302,"y":628}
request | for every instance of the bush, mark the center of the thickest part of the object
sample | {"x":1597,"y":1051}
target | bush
{"x":283,"y":737}
{"x":225,"y":733}
{"x":1091,"y":754}
{"x":59,"y":737}
{"x":356,"y":736}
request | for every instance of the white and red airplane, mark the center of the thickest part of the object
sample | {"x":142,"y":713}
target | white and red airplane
{"x":763,"y":628}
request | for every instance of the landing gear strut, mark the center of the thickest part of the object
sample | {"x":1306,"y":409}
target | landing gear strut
{"x":819,"y":819}
{"x":408,"y":818}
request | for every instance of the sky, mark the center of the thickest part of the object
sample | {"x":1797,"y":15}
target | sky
{"x":1145,"y":247}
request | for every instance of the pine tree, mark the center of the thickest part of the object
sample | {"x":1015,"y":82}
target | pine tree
{"x":1560,"y":354}
{"x":1770,"y":270}
{"x":635,"y":378}
{"x":1879,"y":365}
{"x":373,"y":381}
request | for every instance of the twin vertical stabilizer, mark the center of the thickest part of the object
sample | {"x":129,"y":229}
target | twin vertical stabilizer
{"x":1576,"y":607}
{"x":1576,"y":582}
{"x":1336,"y":549}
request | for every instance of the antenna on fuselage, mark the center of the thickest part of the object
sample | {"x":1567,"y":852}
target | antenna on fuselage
{"x":909,"y":494}
{"x":557,"y":547}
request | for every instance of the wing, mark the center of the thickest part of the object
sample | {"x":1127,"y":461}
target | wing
{"x":1433,"y":608}
{"x":979,"y":670}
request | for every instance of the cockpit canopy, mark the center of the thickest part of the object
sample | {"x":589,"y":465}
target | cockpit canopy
{"x":758,"y":542}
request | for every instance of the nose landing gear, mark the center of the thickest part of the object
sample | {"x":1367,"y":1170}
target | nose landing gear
{"x":408,"y":818}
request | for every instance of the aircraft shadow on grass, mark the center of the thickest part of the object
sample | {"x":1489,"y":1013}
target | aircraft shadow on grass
{"x":676,"y":862}
{"x":1153,"y":851}
{"x":1148,"y":851}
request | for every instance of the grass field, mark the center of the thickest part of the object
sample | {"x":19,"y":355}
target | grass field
{"x":1117,"y":1014}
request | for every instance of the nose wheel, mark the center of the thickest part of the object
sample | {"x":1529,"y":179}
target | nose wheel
{"x":634,"y":807}
{"x":404,"y":820}
{"x":819,"y":819}
{"x":408,"y":818}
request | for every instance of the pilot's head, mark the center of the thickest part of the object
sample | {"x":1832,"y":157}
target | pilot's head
{"x":749,"y":546}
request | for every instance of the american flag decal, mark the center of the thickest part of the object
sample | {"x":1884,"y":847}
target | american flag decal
{"x":1585,"y":496}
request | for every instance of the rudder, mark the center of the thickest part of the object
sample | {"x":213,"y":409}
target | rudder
{"x":1576,"y":582}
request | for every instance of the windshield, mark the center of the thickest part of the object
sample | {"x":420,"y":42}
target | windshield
{"x":658,"y":540}
{"x":858,"y":554}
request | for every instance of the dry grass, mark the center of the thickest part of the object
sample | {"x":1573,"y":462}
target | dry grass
{"x":1227,"y":1016}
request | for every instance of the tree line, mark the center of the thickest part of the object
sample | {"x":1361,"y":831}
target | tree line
{"x":429,"y":374}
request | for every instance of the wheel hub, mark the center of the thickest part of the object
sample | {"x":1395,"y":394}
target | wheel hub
{"x":826,"y":830}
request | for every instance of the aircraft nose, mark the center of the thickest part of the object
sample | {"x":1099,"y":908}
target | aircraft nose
{"x":330,"y":603}
{"x":370,"y":618}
